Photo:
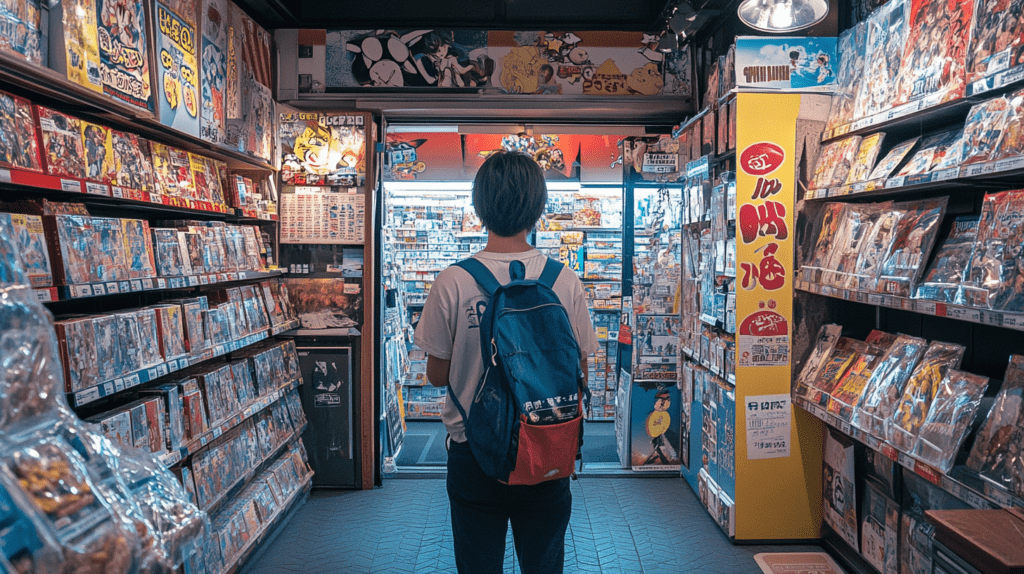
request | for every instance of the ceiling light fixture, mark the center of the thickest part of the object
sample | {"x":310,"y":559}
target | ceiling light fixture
{"x":777,"y":16}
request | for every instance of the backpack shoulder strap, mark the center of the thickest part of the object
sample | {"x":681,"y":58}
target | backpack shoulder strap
{"x":552,"y":269}
{"x":483,"y":276}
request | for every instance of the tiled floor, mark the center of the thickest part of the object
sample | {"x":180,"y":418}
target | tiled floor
{"x":619,"y":526}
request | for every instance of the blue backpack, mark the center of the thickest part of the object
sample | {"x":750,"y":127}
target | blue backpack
{"x":526,"y":421}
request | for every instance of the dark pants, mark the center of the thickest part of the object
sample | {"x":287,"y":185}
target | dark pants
{"x":482,"y":508}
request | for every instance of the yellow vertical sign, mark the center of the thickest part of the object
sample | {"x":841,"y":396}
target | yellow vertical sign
{"x":775,"y":494}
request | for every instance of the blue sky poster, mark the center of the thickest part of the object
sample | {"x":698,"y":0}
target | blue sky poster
{"x":786,"y":63}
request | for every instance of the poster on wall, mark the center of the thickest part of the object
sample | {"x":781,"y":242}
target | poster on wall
{"x":769,"y":429}
{"x":177,"y":67}
{"x":124,"y":52}
{"x":555,"y":154}
{"x":415,"y":58}
{"x":423,"y":156}
{"x":214,"y":71}
{"x":786,"y":63}
{"x":314,"y":215}
{"x":327,"y":303}
{"x":322,"y":149}
{"x":654,"y":421}
{"x":590,"y":63}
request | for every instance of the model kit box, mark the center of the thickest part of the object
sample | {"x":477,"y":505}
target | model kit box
{"x":149,"y":337}
{"x":20,"y":149}
{"x":133,"y":166}
{"x":840,"y":499}
{"x":30,"y":242}
{"x":173,"y":424}
{"x":77,"y":341}
{"x":138,"y":248}
{"x":177,"y":66}
{"x":172,"y":333}
{"x":75,"y":51}
{"x":63,"y":153}
{"x":116,"y":426}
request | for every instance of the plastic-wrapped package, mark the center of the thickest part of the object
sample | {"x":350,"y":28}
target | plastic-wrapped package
{"x":912,"y":242}
{"x":824,"y":342}
{"x":982,"y":130}
{"x":873,"y":247}
{"x":843,"y":398}
{"x":950,"y":418}
{"x":949,"y":266}
{"x":28,"y":546}
{"x":992,"y":265}
{"x":930,"y":153}
{"x":997,"y":447}
{"x":913,"y":407}
{"x":844,"y":354}
{"x":892,"y":159}
{"x":864,"y":159}
{"x":858,"y":220}
{"x":885,"y":386}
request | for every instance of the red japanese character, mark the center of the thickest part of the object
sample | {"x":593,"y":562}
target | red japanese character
{"x":760,"y":220}
{"x":766,"y":187}
{"x":770,"y":273}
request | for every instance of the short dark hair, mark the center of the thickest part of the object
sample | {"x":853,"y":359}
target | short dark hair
{"x":509,"y":193}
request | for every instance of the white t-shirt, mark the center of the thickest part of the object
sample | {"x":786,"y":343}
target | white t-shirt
{"x":449,"y":327}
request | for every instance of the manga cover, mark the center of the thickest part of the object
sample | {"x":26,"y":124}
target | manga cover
{"x":930,"y":153}
{"x":64,"y":153}
{"x":133,"y":167}
{"x":851,"y":46}
{"x":215,"y":170}
{"x":912,"y":408}
{"x":322,"y":149}
{"x":29,"y":240}
{"x":873,"y":248}
{"x":124,"y":52}
{"x":995,"y":449}
{"x":1011,"y":141}
{"x":950,"y":418}
{"x":78,"y":353}
{"x":21,"y":30}
{"x":992,"y":264}
{"x":864,"y":160}
{"x":78,"y":243}
{"x":886,"y":30}
{"x":826,"y":339}
{"x":844,"y":354}
{"x":177,"y":65}
{"x":912,"y":243}
{"x":892,"y":159}
{"x":149,"y":338}
{"x":108,"y":347}
{"x":74,"y":49}
{"x":138,"y":248}
{"x":109,"y":261}
{"x":832,"y":216}
{"x":935,"y":50}
{"x":200,"y":178}
{"x":167,"y":253}
{"x":997,"y":39}
{"x":949,"y":267}
{"x":982,"y":130}
{"x":99,"y":152}
{"x":885,"y":385}
{"x":18,"y":147}
{"x":214,"y":70}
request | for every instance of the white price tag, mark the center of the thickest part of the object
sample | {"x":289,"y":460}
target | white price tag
{"x":972,"y":170}
{"x":973,"y":499}
{"x":943,"y":175}
{"x":118,"y":385}
{"x":906,"y":461}
{"x":96,"y":188}
{"x":241,"y":275}
{"x":135,"y":285}
{"x":112,"y":288}
{"x":926,"y":307}
{"x":151,"y":374}
{"x":117,"y":191}
{"x":964,"y":314}
{"x":193,"y":280}
{"x":906,"y":304}
{"x":161,"y":283}
{"x":162,"y":369}
{"x":204,"y":280}
{"x":991,"y":318}
{"x":147,"y":283}
{"x":1013,"y":320}
{"x":1010,"y":164}
{"x":71,"y":185}
{"x":108,"y":388}
{"x":1001,"y":497}
{"x":43,"y":295}
{"x":87,"y":396}
{"x":845,"y":427}
{"x":897,"y":181}
{"x":5,"y":176}
{"x":132,"y":380}
{"x":875,"y":299}
{"x":872,"y":442}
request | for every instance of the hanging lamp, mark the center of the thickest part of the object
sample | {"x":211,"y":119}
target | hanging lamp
{"x":778,"y":16}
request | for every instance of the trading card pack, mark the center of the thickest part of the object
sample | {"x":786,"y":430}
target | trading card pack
{"x":864,"y":160}
{"x":1011,"y":141}
{"x":63,"y":152}
{"x":886,"y":383}
{"x":930,"y":153}
{"x":836,"y":161}
{"x":920,"y":390}
{"x":836,"y":365}
{"x":18,"y":143}
{"x":933,"y":58}
{"x":893,"y":159}
{"x":996,"y":447}
{"x":912,"y":243}
{"x":78,"y":353}
{"x":949,"y":266}
{"x":997,"y":39}
{"x":950,"y":418}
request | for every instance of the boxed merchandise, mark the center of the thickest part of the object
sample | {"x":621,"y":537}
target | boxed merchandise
{"x":26,"y":232}
{"x":840,"y":504}
{"x":108,"y":256}
{"x":133,"y":166}
{"x":99,"y":152}
{"x":78,"y":341}
{"x":138,"y":248}
{"x":172,"y":331}
{"x":74,"y":50}
{"x":16,"y":121}
{"x":242,"y":384}
{"x":71,"y":242}
{"x":193,"y":313}
{"x":173,"y":424}
{"x":912,"y":407}
{"x":879,"y":530}
{"x":116,"y":426}
{"x":886,"y":384}
{"x":949,"y":267}
{"x":22,"y":33}
{"x":149,"y":337}
{"x":1011,"y":139}
{"x":169,"y":257}
{"x":130,"y":342}
{"x":108,"y":348}
{"x":200,"y":178}
{"x":193,"y":410}
{"x":63,"y":152}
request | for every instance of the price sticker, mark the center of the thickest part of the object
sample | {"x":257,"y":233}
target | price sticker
{"x":991,"y":318}
{"x":906,"y":304}
{"x":897,"y":181}
{"x":1001,"y":497}
{"x":905,"y":460}
{"x":973,"y":499}
{"x":5,"y":176}
{"x":87,"y":396}
{"x":972,"y":170}
{"x":193,"y":280}
{"x":964,"y":314}
{"x":132,"y":380}
{"x":108,"y":388}
{"x":845,"y":427}
{"x":162,"y":369}
{"x":147,"y":283}
{"x":926,"y":307}
{"x":204,"y":280}
{"x":945,"y":174}
{"x":875,"y":299}
{"x":161,"y":283}
{"x":118,"y":385}
{"x":96,"y":188}
{"x":71,"y":185}
{"x":152,"y":374}
{"x":1010,"y":164}
{"x":135,"y":285}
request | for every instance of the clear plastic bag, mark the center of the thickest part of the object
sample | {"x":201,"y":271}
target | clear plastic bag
{"x":914,"y":404}
{"x":950,"y":418}
{"x":885,"y":387}
{"x":998,"y":443}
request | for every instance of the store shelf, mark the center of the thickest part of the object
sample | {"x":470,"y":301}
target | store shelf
{"x":222,"y":427}
{"x":713,"y":369}
{"x":1005,"y":172}
{"x":249,"y":474}
{"x":294,"y":501}
{"x":86,"y":290}
{"x":39,"y":83}
{"x":977,"y":494}
{"x":1013,"y":321}
{"x":142,"y":376}
{"x":928,"y":110}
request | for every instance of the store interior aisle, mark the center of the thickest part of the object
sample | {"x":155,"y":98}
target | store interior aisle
{"x":619,"y":526}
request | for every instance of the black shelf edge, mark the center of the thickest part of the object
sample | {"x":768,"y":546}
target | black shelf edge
{"x":79,"y":292}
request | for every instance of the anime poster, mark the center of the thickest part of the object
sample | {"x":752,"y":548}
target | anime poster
{"x":177,"y":66}
{"x":786,"y":63}
{"x":886,"y":31}
{"x":655,"y":422}
{"x":124,"y":52}
{"x":423,"y":156}
{"x":850,"y":48}
{"x":997,"y":39}
{"x":18,"y":147}
{"x":20,"y":30}
{"x":415,"y":58}
{"x":592,"y":63}
{"x":935,"y":53}
{"x":554,"y":153}
{"x":62,"y":143}
{"x":260,"y":132}
{"x":99,"y":152}
{"x":214,"y":70}
{"x":133,"y":166}
{"x":326,"y":303}
{"x":322,"y":149}
{"x":76,"y":51}
{"x":235,"y":45}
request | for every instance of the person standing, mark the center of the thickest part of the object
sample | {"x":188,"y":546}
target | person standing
{"x":509,"y":196}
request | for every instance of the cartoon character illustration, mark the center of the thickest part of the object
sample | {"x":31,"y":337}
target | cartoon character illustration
{"x":546,"y":81}
{"x":659,"y":427}
{"x":316,"y":151}
{"x":385,"y":58}
{"x":520,"y":71}
{"x":440,"y":64}
{"x":646,"y":80}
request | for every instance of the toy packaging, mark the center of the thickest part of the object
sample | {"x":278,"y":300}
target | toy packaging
{"x":149,"y":337}
{"x":133,"y":165}
{"x":886,"y":32}
{"x":177,"y":66}
{"x":912,"y":242}
{"x":874,"y":246}
{"x":992,"y":269}
{"x":109,"y":260}
{"x":930,"y":153}
{"x":124,"y":52}
{"x":138,"y":248}
{"x":1011,"y":141}
{"x":950,"y":418}
{"x":78,"y":341}
{"x":843,"y":398}
{"x":74,"y":49}
{"x":834,"y":162}
{"x":172,"y":334}
{"x":850,"y":47}
{"x":893,"y":159}
{"x":982,"y":131}
{"x":933,"y":59}
{"x":18,"y":142}
{"x":826,"y":339}
{"x":21,"y":30}
{"x":76,"y":243}
{"x":63,"y":152}
{"x":200,"y":178}
{"x":108,"y":349}
{"x":840,"y":496}
{"x":858,"y":224}
{"x":27,"y":236}
{"x":864,"y":160}
{"x":996,"y":447}
{"x":170,"y":262}
{"x":130,"y":341}
{"x":920,"y":390}
{"x":215,"y":174}
{"x":949,"y":267}
{"x":886,"y":384}
{"x":996,"y":39}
